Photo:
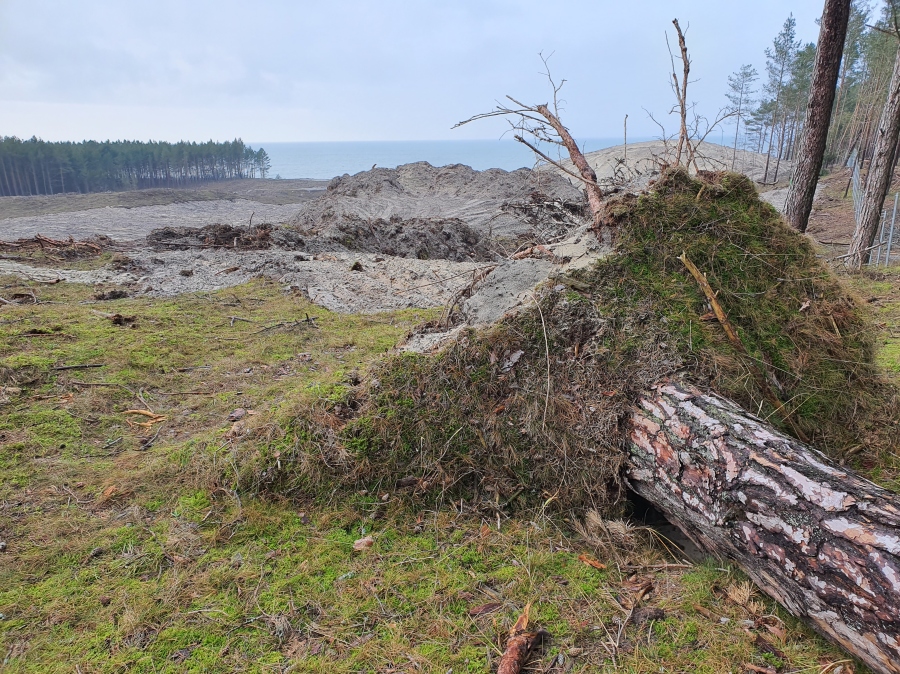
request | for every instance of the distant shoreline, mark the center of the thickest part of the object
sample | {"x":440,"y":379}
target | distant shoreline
{"x":323,"y":160}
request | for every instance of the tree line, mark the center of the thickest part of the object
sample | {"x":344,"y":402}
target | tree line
{"x":770,"y":114}
{"x":31,"y":167}
{"x":769,"y":118}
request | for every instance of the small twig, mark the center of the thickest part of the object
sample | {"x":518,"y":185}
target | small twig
{"x":634,"y":567}
{"x":866,"y":250}
{"x":38,"y":335}
{"x":185,"y":393}
{"x":547,"y":354}
{"x":78,"y":367}
{"x":140,"y":396}
{"x":238,"y":318}
{"x":100,"y":383}
{"x":149,"y":443}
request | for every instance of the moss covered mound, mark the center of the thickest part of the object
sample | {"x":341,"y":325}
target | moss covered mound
{"x":530,"y":412}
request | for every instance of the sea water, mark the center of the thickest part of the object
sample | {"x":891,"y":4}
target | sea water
{"x":325,"y":160}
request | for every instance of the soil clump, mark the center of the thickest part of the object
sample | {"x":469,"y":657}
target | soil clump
{"x":211,"y":236}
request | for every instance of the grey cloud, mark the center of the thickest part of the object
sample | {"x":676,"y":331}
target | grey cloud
{"x":366,"y":69}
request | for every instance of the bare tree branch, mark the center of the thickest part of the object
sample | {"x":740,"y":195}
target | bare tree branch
{"x":544,"y":125}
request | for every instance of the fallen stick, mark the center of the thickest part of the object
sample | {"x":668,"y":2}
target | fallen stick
{"x":78,"y":367}
{"x":154,"y":418}
{"x":185,"y":393}
{"x":738,"y":345}
{"x":97,"y":383}
{"x":520,"y":644}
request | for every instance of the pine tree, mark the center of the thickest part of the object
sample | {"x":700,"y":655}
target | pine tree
{"x":820,"y":81}
{"x":33,"y":166}
{"x":779,"y":59}
{"x":263,"y":163}
{"x":740,"y":95}
{"x":884,"y":151}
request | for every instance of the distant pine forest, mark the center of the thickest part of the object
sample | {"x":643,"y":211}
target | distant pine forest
{"x":32,"y":167}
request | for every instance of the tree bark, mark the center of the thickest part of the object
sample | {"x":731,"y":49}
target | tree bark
{"x":808,"y":161}
{"x":820,"y":540}
{"x":878,"y":180}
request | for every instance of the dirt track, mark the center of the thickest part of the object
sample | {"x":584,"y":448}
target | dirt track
{"x":129,"y":224}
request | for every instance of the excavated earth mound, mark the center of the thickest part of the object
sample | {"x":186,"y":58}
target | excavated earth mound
{"x":493,"y":202}
{"x":211,"y":236}
{"x":421,"y":238}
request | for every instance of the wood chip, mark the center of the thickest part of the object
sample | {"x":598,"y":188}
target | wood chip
{"x":363,"y":543}
{"x":484,"y":609}
{"x":590,"y":561}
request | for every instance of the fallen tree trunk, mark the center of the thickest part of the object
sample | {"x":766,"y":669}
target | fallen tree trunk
{"x":820,"y":540}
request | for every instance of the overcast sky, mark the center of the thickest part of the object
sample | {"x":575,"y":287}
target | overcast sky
{"x":292,"y":70}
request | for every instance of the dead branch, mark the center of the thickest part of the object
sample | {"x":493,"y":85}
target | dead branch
{"x":520,"y":644}
{"x":681,"y":91}
{"x":544,"y":125}
{"x":691,"y":133}
{"x":738,"y":345}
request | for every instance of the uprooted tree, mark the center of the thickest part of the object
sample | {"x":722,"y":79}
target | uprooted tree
{"x":638,"y":372}
{"x":816,"y":537}
{"x":619,"y":371}
{"x":819,"y":539}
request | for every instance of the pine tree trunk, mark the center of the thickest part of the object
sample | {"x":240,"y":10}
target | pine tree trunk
{"x":817,"y":538}
{"x":878,"y":180}
{"x":808,"y":162}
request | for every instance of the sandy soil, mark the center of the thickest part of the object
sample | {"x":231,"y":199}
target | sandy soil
{"x":480,"y":199}
{"x":359,"y":246}
{"x":129,"y":224}
{"x":384,"y":239}
{"x":637,"y":163}
{"x":263,"y":191}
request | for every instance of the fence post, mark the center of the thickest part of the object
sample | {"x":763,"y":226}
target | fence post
{"x":880,"y":240}
{"x":890,"y":241}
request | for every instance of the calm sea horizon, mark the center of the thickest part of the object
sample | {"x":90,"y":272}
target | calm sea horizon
{"x":325,"y":160}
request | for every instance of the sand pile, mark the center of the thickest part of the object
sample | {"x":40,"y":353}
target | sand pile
{"x":494,"y":203}
{"x":635,"y":165}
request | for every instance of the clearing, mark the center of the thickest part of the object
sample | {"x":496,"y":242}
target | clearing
{"x":145,"y":520}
